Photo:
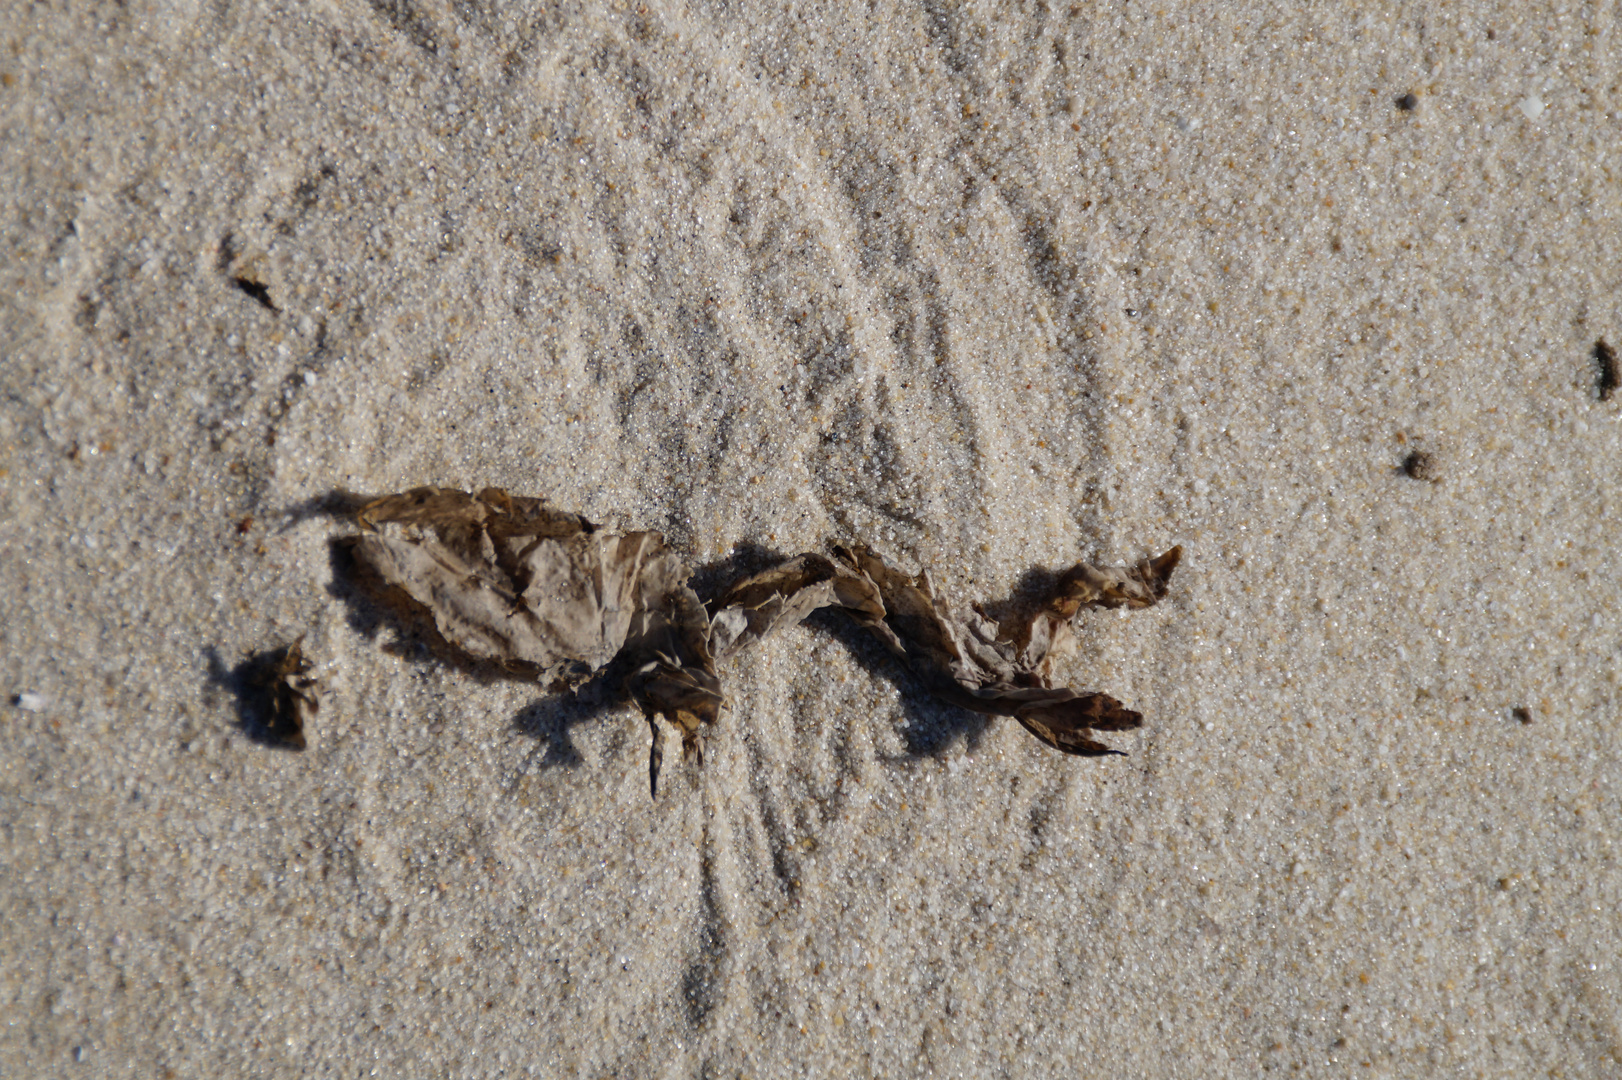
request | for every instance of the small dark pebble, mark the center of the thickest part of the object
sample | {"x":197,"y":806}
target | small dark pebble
{"x":1521,"y":714}
{"x":1407,"y":103}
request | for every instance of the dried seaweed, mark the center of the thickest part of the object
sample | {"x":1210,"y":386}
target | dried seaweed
{"x":510,"y":580}
{"x":785,"y":595}
{"x":292,"y":697}
{"x":1003,"y":670}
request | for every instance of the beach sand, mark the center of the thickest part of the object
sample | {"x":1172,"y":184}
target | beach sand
{"x":1317,"y":296}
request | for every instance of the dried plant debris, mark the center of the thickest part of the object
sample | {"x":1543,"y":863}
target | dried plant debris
{"x":544,"y":592}
{"x":1002,"y":670}
{"x":510,"y":580}
{"x":293,"y":697}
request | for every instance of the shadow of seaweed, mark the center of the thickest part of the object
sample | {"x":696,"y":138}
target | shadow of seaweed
{"x":1032,"y":588}
{"x":550,"y":719}
{"x":931,"y":726}
{"x":711,"y":580}
{"x":337,"y":503}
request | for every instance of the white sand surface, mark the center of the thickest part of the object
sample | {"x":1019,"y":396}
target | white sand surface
{"x":991,"y":288}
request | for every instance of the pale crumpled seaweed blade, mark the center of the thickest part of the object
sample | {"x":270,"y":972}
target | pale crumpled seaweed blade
{"x":784,"y":596}
{"x":474,"y":613}
{"x":583,"y":591}
{"x":505,"y":579}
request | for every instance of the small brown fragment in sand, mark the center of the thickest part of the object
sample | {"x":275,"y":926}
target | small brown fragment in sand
{"x":294,"y":700}
{"x":1605,"y":358}
{"x":1420,"y":465}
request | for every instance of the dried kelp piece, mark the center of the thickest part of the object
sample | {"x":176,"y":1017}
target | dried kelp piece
{"x":293,"y":697}
{"x":784,"y":595}
{"x":970,"y":662}
{"x":1140,"y":586}
{"x":677,"y":641}
{"x":1088,"y":586}
{"x":673,"y":674}
{"x":510,"y":580}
